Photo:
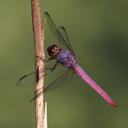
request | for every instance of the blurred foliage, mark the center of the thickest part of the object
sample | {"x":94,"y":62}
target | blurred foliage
{"x":99,"y":35}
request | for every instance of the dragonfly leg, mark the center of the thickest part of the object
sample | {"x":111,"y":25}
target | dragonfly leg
{"x":45,"y":60}
{"x":52,"y":68}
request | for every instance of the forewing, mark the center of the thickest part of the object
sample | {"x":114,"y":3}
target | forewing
{"x":55,"y":31}
{"x":65,"y":36}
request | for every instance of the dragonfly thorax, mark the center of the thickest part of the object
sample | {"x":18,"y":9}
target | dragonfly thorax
{"x":53,"y":50}
{"x":66,"y":58}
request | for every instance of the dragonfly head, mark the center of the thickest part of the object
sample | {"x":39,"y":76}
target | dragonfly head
{"x":53,"y":50}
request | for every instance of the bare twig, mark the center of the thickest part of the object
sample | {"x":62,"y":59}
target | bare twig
{"x":38,"y":30}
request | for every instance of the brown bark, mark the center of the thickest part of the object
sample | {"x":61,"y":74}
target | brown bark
{"x":39,"y":54}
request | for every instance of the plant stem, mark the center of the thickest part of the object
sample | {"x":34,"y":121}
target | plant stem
{"x":38,"y":30}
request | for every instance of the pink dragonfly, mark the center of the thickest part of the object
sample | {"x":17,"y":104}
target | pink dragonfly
{"x":66,"y":57}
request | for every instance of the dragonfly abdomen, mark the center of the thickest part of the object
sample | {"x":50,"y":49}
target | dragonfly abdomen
{"x":94,"y":85}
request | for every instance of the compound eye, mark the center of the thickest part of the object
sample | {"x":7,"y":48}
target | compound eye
{"x":56,"y":49}
{"x":53,"y":50}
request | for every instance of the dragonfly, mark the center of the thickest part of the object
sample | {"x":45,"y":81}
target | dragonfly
{"x":67,"y":58}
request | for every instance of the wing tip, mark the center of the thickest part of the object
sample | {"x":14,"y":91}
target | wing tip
{"x":46,"y":13}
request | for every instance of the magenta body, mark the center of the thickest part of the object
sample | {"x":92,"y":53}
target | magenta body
{"x":66,"y":58}
{"x":94,"y":85}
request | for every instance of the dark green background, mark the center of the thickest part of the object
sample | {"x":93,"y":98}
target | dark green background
{"x":98,"y":32}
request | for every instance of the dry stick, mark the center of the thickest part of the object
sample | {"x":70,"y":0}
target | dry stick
{"x":38,"y":30}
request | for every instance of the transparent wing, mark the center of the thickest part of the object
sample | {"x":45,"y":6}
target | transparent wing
{"x":60,"y":81}
{"x":55,"y":31}
{"x":25,"y":79}
{"x":30,"y":78}
{"x":65,"y":36}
